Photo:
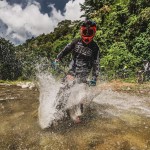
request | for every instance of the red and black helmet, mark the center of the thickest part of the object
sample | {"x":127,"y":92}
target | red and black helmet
{"x":88,"y":30}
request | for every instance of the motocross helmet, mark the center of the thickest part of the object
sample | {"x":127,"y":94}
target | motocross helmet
{"x":87,"y":31}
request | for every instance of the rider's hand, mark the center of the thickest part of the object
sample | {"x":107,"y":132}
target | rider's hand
{"x":55,"y":63}
{"x":92,"y":83}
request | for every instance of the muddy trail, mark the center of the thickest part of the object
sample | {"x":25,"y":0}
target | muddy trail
{"x":117,"y":119}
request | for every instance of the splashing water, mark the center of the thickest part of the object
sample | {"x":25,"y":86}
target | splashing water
{"x":116,"y":104}
{"x":49,"y":89}
{"x":111,"y":103}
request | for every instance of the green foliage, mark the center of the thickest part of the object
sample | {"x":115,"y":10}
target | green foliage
{"x":9,"y":65}
{"x":141,"y":47}
{"x":123,"y":35}
{"x":90,"y":6}
{"x":59,"y":45}
{"x":117,"y":58}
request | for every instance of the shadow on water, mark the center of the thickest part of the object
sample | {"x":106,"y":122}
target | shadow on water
{"x":103,"y":126}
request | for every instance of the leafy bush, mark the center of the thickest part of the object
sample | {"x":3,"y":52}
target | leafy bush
{"x":123,"y":29}
{"x":117,"y":59}
{"x":141,"y":46}
{"x":10,"y":67}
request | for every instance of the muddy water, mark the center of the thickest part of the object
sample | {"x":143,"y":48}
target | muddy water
{"x":113,"y":121}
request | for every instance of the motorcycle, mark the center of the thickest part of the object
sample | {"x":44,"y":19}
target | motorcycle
{"x":71,"y":97}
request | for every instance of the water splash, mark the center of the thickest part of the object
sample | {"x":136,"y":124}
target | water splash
{"x":49,"y":88}
{"x":116,"y":104}
{"x":110,"y":102}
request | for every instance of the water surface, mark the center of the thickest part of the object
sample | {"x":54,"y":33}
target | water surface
{"x":113,"y":121}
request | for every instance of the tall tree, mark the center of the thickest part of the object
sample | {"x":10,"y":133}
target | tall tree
{"x":9,"y":66}
{"x":89,"y":6}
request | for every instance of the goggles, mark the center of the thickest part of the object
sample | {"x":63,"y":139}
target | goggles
{"x":87,"y":31}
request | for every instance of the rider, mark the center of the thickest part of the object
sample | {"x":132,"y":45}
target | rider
{"x":85,"y":54}
{"x":85,"y":58}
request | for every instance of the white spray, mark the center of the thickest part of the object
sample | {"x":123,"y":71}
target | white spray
{"x":113,"y":103}
{"x":116,"y":104}
{"x":49,"y":88}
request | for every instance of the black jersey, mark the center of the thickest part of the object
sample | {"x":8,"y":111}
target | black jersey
{"x":85,"y":57}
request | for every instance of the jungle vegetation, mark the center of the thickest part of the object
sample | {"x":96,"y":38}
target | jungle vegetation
{"x":123,"y":35}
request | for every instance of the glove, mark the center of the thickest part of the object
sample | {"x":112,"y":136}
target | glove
{"x":92,"y":83}
{"x":55,"y":64}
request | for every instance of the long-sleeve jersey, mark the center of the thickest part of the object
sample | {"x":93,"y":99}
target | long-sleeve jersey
{"x":85,"y":57}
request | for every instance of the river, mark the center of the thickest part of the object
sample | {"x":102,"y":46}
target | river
{"x":115,"y":120}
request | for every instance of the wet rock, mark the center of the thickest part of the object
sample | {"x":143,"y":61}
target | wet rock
{"x":128,"y":88}
{"x":29,"y":85}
